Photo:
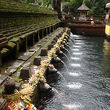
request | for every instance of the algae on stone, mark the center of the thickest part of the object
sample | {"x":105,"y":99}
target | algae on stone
{"x":11,"y":45}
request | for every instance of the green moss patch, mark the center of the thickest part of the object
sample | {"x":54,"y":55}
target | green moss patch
{"x":11,"y":45}
{"x":4,"y":50}
{"x":14,"y":6}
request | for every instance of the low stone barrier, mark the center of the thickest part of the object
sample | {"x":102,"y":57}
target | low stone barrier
{"x":37,"y":76}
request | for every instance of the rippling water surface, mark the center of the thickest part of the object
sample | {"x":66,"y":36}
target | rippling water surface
{"x":87,"y":81}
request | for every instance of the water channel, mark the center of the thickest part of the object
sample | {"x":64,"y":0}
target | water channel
{"x":86,"y":84}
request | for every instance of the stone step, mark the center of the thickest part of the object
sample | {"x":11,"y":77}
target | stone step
{"x":2,"y":39}
{"x":2,"y":78}
{"x":3,"y":104}
{"x":19,"y":31}
{"x":15,"y":32}
{"x":3,"y":44}
{"x":10,"y":31}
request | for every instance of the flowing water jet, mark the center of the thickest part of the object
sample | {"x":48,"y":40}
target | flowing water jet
{"x":56,"y":93}
{"x":61,"y":54}
{"x":67,"y":46}
{"x":75,"y":58}
{"x":66,"y":57}
{"x":52,"y":74}
{"x":58,"y":63}
{"x":61,"y":76}
{"x":64,"y":49}
{"x":71,"y":41}
{"x":64,"y":65}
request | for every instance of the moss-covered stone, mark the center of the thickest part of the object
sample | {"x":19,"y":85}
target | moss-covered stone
{"x":11,"y":45}
{"x":4,"y":51}
{"x":0,"y":60}
{"x":14,"y":6}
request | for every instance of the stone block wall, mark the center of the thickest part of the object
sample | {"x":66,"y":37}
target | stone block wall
{"x":18,"y":19}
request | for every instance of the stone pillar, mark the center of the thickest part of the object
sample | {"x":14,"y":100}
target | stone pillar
{"x":47,"y":31}
{"x":0,"y":59}
{"x":39,"y":35}
{"x":16,"y":41}
{"x":33,"y":38}
{"x":42,"y":33}
{"x":36,"y":37}
{"x":52,"y":28}
{"x":26,"y":44}
{"x":23,"y":40}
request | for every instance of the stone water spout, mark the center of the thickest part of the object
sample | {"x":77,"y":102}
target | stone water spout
{"x":51,"y":70}
{"x":65,"y":50}
{"x":42,"y":91}
{"x":9,"y":86}
{"x":56,"y":61}
{"x":59,"y":53}
{"x":52,"y":74}
{"x":37,"y":61}
{"x":67,"y":46}
{"x":44,"y":87}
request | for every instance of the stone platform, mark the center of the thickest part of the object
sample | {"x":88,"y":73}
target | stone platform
{"x":12,"y":68}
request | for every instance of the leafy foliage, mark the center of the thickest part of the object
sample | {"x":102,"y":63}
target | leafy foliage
{"x":96,"y":6}
{"x":26,"y":6}
{"x":43,"y":3}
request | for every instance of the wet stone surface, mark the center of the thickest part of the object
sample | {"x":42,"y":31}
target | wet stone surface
{"x":37,"y":61}
{"x":3,"y":104}
{"x":9,"y":86}
{"x":34,"y":49}
{"x":26,"y":56}
{"x":25,"y":73}
{"x":12,"y":69}
{"x":44,"y":52}
{"x":18,"y":85}
{"x":3,"y":78}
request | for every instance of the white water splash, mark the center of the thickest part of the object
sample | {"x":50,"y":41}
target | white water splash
{"x":75,"y":65}
{"x":74,"y":106}
{"x":75,"y":49}
{"x":74,"y":85}
{"x":77,"y":53}
{"x":74,"y":74}
{"x":79,"y":43}
{"x":75,"y":58}
{"x":76,"y":46}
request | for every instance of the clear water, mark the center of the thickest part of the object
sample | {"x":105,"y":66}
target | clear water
{"x":87,"y":81}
